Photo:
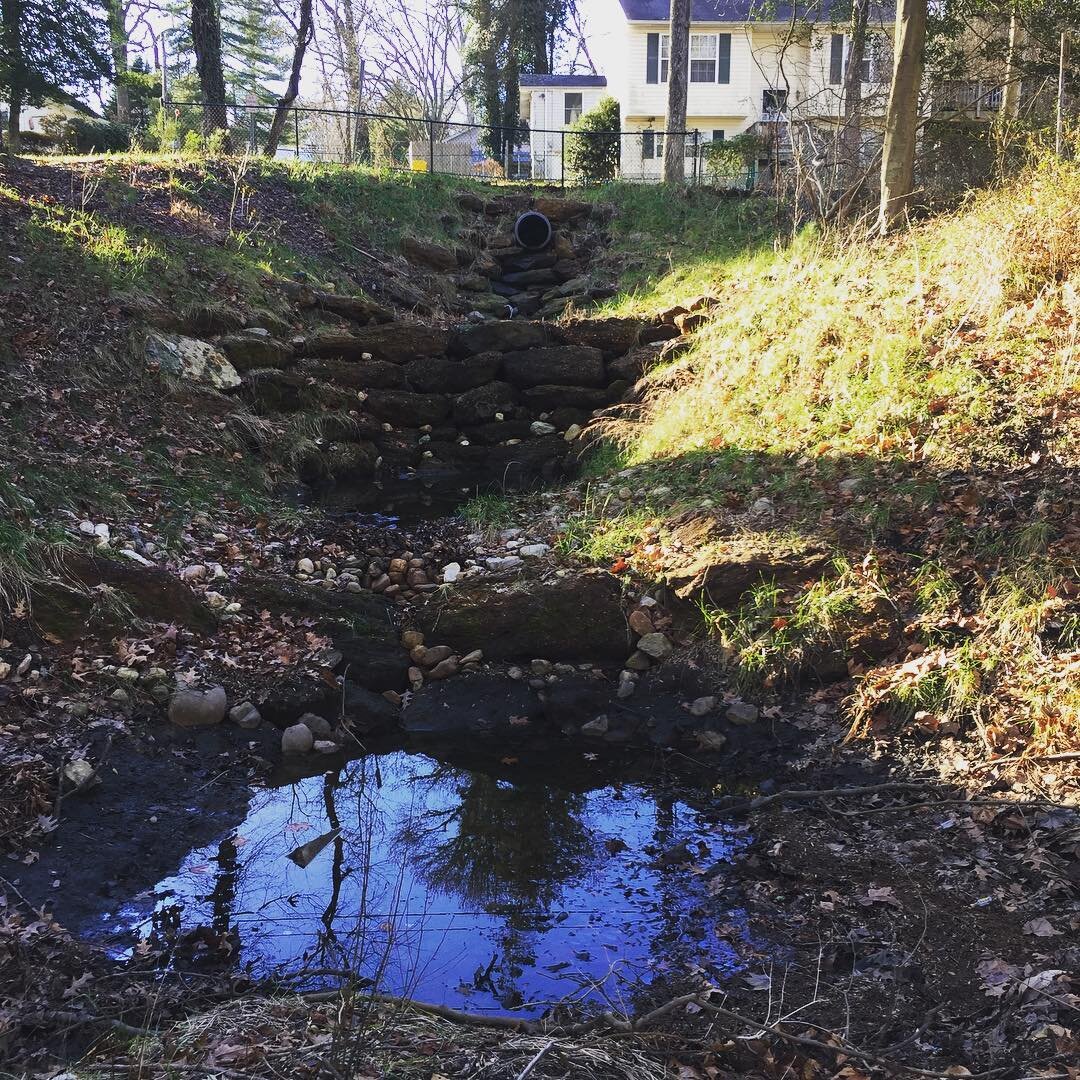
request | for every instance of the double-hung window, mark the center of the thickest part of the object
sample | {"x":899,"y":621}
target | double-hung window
{"x":665,"y":56}
{"x":571,"y":108}
{"x":703,"y":55}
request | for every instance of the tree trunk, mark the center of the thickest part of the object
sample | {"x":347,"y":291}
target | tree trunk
{"x":853,"y":89}
{"x":206,"y":36}
{"x":678,"y":73}
{"x":116,"y":15}
{"x":902,"y":115}
{"x":305,"y":31}
{"x":1010,"y":101}
{"x":11,"y":38}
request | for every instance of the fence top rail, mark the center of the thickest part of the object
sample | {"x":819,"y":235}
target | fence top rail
{"x":426,"y":121}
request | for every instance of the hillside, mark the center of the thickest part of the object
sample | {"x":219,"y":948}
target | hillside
{"x":679,"y":624}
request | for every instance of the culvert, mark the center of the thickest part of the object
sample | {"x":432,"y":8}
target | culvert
{"x":532,"y":230}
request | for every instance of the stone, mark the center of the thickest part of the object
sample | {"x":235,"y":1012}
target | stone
{"x":710,"y":740}
{"x":640,"y":623}
{"x":79,"y":775}
{"x":572,"y":432}
{"x":250,"y":349}
{"x":533,"y":551}
{"x":631,"y":366}
{"x":190,"y":360}
{"x":599,"y":726}
{"x":444,"y":669}
{"x":473,"y":657}
{"x":501,"y":336}
{"x":436,"y":374}
{"x":541,"y":667}
{"x":357,"y":374}
{"x":569,"y":365}
{"x":655,"y":645}
{"x":451,"y":572}
{"x":541,"y":427}
{"x":325,"y":746}
{"x":411,"y":638}
{"x":504,"y":562}
{"x":613,"y":336}
{"x":408,"y":409}
{"x":849,"y":486}
{"x":245,"y":716}
{"x":627,"y":685}
{"x":416,"y":678}
{"x":198,"y":708}
{"x":317,"y":725}
{"x":435,"y":655}
{"x":305,"y":566}
{"x":426,"y":253}
{"x":741,"y":714}
{"x":297,"y":739}
{"x":396,"y":342}
{"x":564,"y":618}
{"x":553,"y":396}
{"x":476,"y":406}
{"x":560,"y":211}
{"x":638,"y":661}
{"x":702,"y":706}
{"x":762,"y":507}
{"x":195,"y":572}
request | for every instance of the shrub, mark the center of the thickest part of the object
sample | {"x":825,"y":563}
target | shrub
{"x":732,"y":160}
{"x":85,"y":135}
{"x":592,"y":148}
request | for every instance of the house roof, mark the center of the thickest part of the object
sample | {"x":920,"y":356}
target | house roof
{"x":526,"y":81}
{"x":738,"y":11}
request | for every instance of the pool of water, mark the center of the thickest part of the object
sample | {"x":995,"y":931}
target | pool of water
{"x":455,"y":886}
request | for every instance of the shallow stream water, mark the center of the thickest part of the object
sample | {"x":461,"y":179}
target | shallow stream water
{"x":456,"y":886}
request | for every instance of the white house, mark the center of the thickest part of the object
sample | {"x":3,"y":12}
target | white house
{"x":753,"y":65}
{"x":550,"y":104}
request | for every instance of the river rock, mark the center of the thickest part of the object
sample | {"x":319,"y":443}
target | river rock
{"x":655,"y":645}
{"x":571,"y":618}
{"x":502,"y":336}
{"x":640,"y":623}
{"x":198,"y":708}
{"x":702,"y":706}
{"x":435,"y":655}
{"x":742,"y":714}
{"x":451,"y":572}
{"x":297,"y":739}
{"x":245,"y":716}
{"x":190,"y":360}
{"x":566,"y":364}
{"x":444,"y":668}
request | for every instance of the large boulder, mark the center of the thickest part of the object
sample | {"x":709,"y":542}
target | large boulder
{"x":570,"y":365}
{"x":476,"y":406}
{"x":396,"y":342}
{"x":357,"y":374}
{"x":198,"y":708}
{"x":190,"y":360}
{"x":560,"y":211}
{"x":404,"y":409}
{"x":436,"y":374}
{"x":613,"y":336}
{"x":255,"y":349}
{"x":720,"y":567}
{"x":575,"y":618}
{"x":504,"y":336}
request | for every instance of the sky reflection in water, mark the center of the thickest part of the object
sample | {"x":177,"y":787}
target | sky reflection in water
{"x":454,"y":887}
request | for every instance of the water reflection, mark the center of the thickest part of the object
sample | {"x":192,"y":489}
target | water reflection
{"x":456,"y":887}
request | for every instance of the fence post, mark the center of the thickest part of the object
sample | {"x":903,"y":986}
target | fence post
{"x":697,"y":158}
{"x":562,"y":158}
{"x":296,"y":130}
{"x":431,"y":147}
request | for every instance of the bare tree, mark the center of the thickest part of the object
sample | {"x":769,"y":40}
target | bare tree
{"x":304,"y":30}
{"x":678,"y":73}
{"x":341,"y":43}
{"x":902,"y":114}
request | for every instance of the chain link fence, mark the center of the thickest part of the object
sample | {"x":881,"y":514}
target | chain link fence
{"x":449,"y":147}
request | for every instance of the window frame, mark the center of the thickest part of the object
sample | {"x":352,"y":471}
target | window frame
{"x":713,"y":61}
{"x":664,"y":57}
{"x":567,"y":108}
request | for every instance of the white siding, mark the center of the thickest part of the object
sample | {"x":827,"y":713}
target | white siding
{"x":546,"y":114}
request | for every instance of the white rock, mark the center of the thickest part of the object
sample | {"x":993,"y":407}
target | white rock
{"x":102,"y":533}
{"x":572,"y":432}
{"x":134,"y":556}
{"x":305,"y":566}
{"x":509,"y":562}
{"x":533,"y":551}
{"x":297,"y":739}
{"x":198,"y":708}
{"x":451,"y":572}
{"x":86,"y":528}
{"x":762,"y":507}
{"x":216,"y":601}
{"x":655,"y":645}
{"x":599,"y":726}
{"x":541,"y":427}
{"x":190,"y":359}
{"x":194,"y":572}
{"x":325,"y":746}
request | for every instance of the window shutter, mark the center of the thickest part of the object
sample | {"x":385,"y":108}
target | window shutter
{"x":836,"y":60}
{"x":648,"y":144}
{"x":723,"y":66}
{"x":652,"y":59}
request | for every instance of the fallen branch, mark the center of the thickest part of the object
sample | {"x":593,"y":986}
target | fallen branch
{"x":1023,"y":759}
{"x":824,"y":793}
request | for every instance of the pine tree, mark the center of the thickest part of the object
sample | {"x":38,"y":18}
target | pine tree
{"x":252,"y":46}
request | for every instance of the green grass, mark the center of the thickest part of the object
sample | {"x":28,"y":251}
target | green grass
{"x":488,"y":510}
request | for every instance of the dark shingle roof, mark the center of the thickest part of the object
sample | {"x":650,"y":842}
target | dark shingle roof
{"x":563,"y":80}
{"x":738,"y":11}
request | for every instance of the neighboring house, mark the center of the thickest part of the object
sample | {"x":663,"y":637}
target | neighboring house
{"x":753,"y":67}
{"x":550,"y":104}
{"x":31,"y":117}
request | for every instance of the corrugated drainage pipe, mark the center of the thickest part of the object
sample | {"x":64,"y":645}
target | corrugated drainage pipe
{"x":532,"y":230}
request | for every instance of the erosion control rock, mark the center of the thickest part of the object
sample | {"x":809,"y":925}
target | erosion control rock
{"x":567,"y":364}
{"x":191,"y":360}
{"x":198,"y":708}
{"x":574,"y":618}
{"x":396,"y":342}
{"x":297,"y":739}
{"x":497,"y":337}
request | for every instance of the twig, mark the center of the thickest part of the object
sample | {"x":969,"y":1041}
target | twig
{"x":1072,"y":756}
{"x":535,"y":1059}
{"x":824,"y":793}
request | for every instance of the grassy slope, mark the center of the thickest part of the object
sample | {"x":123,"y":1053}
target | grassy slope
{"x":939,"y":371}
